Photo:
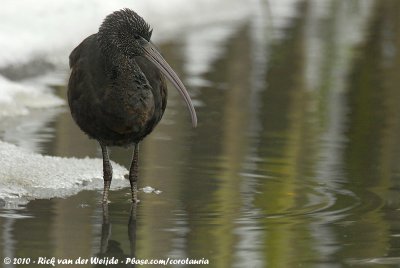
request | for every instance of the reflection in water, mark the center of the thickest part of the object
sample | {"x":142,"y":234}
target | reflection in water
{"x":111,"y":249}
{"x":132,"y":230}
{"x":294,"y":162}
{"x":30,"y":132}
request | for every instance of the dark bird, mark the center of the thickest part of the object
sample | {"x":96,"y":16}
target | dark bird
{"x":117,"y":92}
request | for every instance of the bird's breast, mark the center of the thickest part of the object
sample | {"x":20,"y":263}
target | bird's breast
{"x":128,"y":109}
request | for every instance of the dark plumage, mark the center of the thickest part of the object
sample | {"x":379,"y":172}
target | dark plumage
{"x":117,"y":91}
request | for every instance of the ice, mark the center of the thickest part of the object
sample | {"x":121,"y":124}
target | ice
{"x":25,"y":175}
{"x":149,"y":190}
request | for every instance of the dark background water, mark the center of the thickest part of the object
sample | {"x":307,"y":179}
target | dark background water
{"x":295,"y":162}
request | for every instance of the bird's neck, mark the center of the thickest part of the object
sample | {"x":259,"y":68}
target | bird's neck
{"x":117,"y":63}
{"x":110,"y":50}
{"x":126,"y":70}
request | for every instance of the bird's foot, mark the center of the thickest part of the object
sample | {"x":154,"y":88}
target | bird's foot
{"x":135,"y":197}
{"x":104,"y":203}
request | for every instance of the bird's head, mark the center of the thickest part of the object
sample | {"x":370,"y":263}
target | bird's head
{"x":124,"y":33}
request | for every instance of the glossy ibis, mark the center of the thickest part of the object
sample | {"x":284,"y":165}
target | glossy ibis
{"x":117,"y":92}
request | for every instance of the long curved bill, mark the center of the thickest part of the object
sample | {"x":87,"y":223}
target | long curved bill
{"x":151,"y":53}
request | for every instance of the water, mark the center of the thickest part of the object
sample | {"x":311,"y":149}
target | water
{"x":294,"y":162}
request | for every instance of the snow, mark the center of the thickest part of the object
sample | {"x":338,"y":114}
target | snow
{"x":51,"y":29}
{"x":149,"y":190}
{"x":25,"y":175}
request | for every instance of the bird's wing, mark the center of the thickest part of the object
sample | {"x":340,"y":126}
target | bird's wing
{"x":76,"y":53}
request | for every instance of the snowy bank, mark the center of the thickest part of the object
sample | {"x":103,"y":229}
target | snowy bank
{"x":26,"y":176}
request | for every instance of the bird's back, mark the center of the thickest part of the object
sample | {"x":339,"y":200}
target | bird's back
{"x":116,"y":102}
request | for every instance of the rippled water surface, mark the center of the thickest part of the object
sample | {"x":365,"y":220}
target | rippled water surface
{"x":294,"y":163}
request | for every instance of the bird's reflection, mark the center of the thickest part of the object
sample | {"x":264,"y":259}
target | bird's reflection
{"x":132,"y":230}
{"x":110,"y":250}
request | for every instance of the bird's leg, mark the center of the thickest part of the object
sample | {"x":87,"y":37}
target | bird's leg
{"x":133,"y":173}
{"x":107,"y":172}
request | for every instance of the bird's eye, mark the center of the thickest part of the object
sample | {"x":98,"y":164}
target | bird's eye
{"x":136,"y":36}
